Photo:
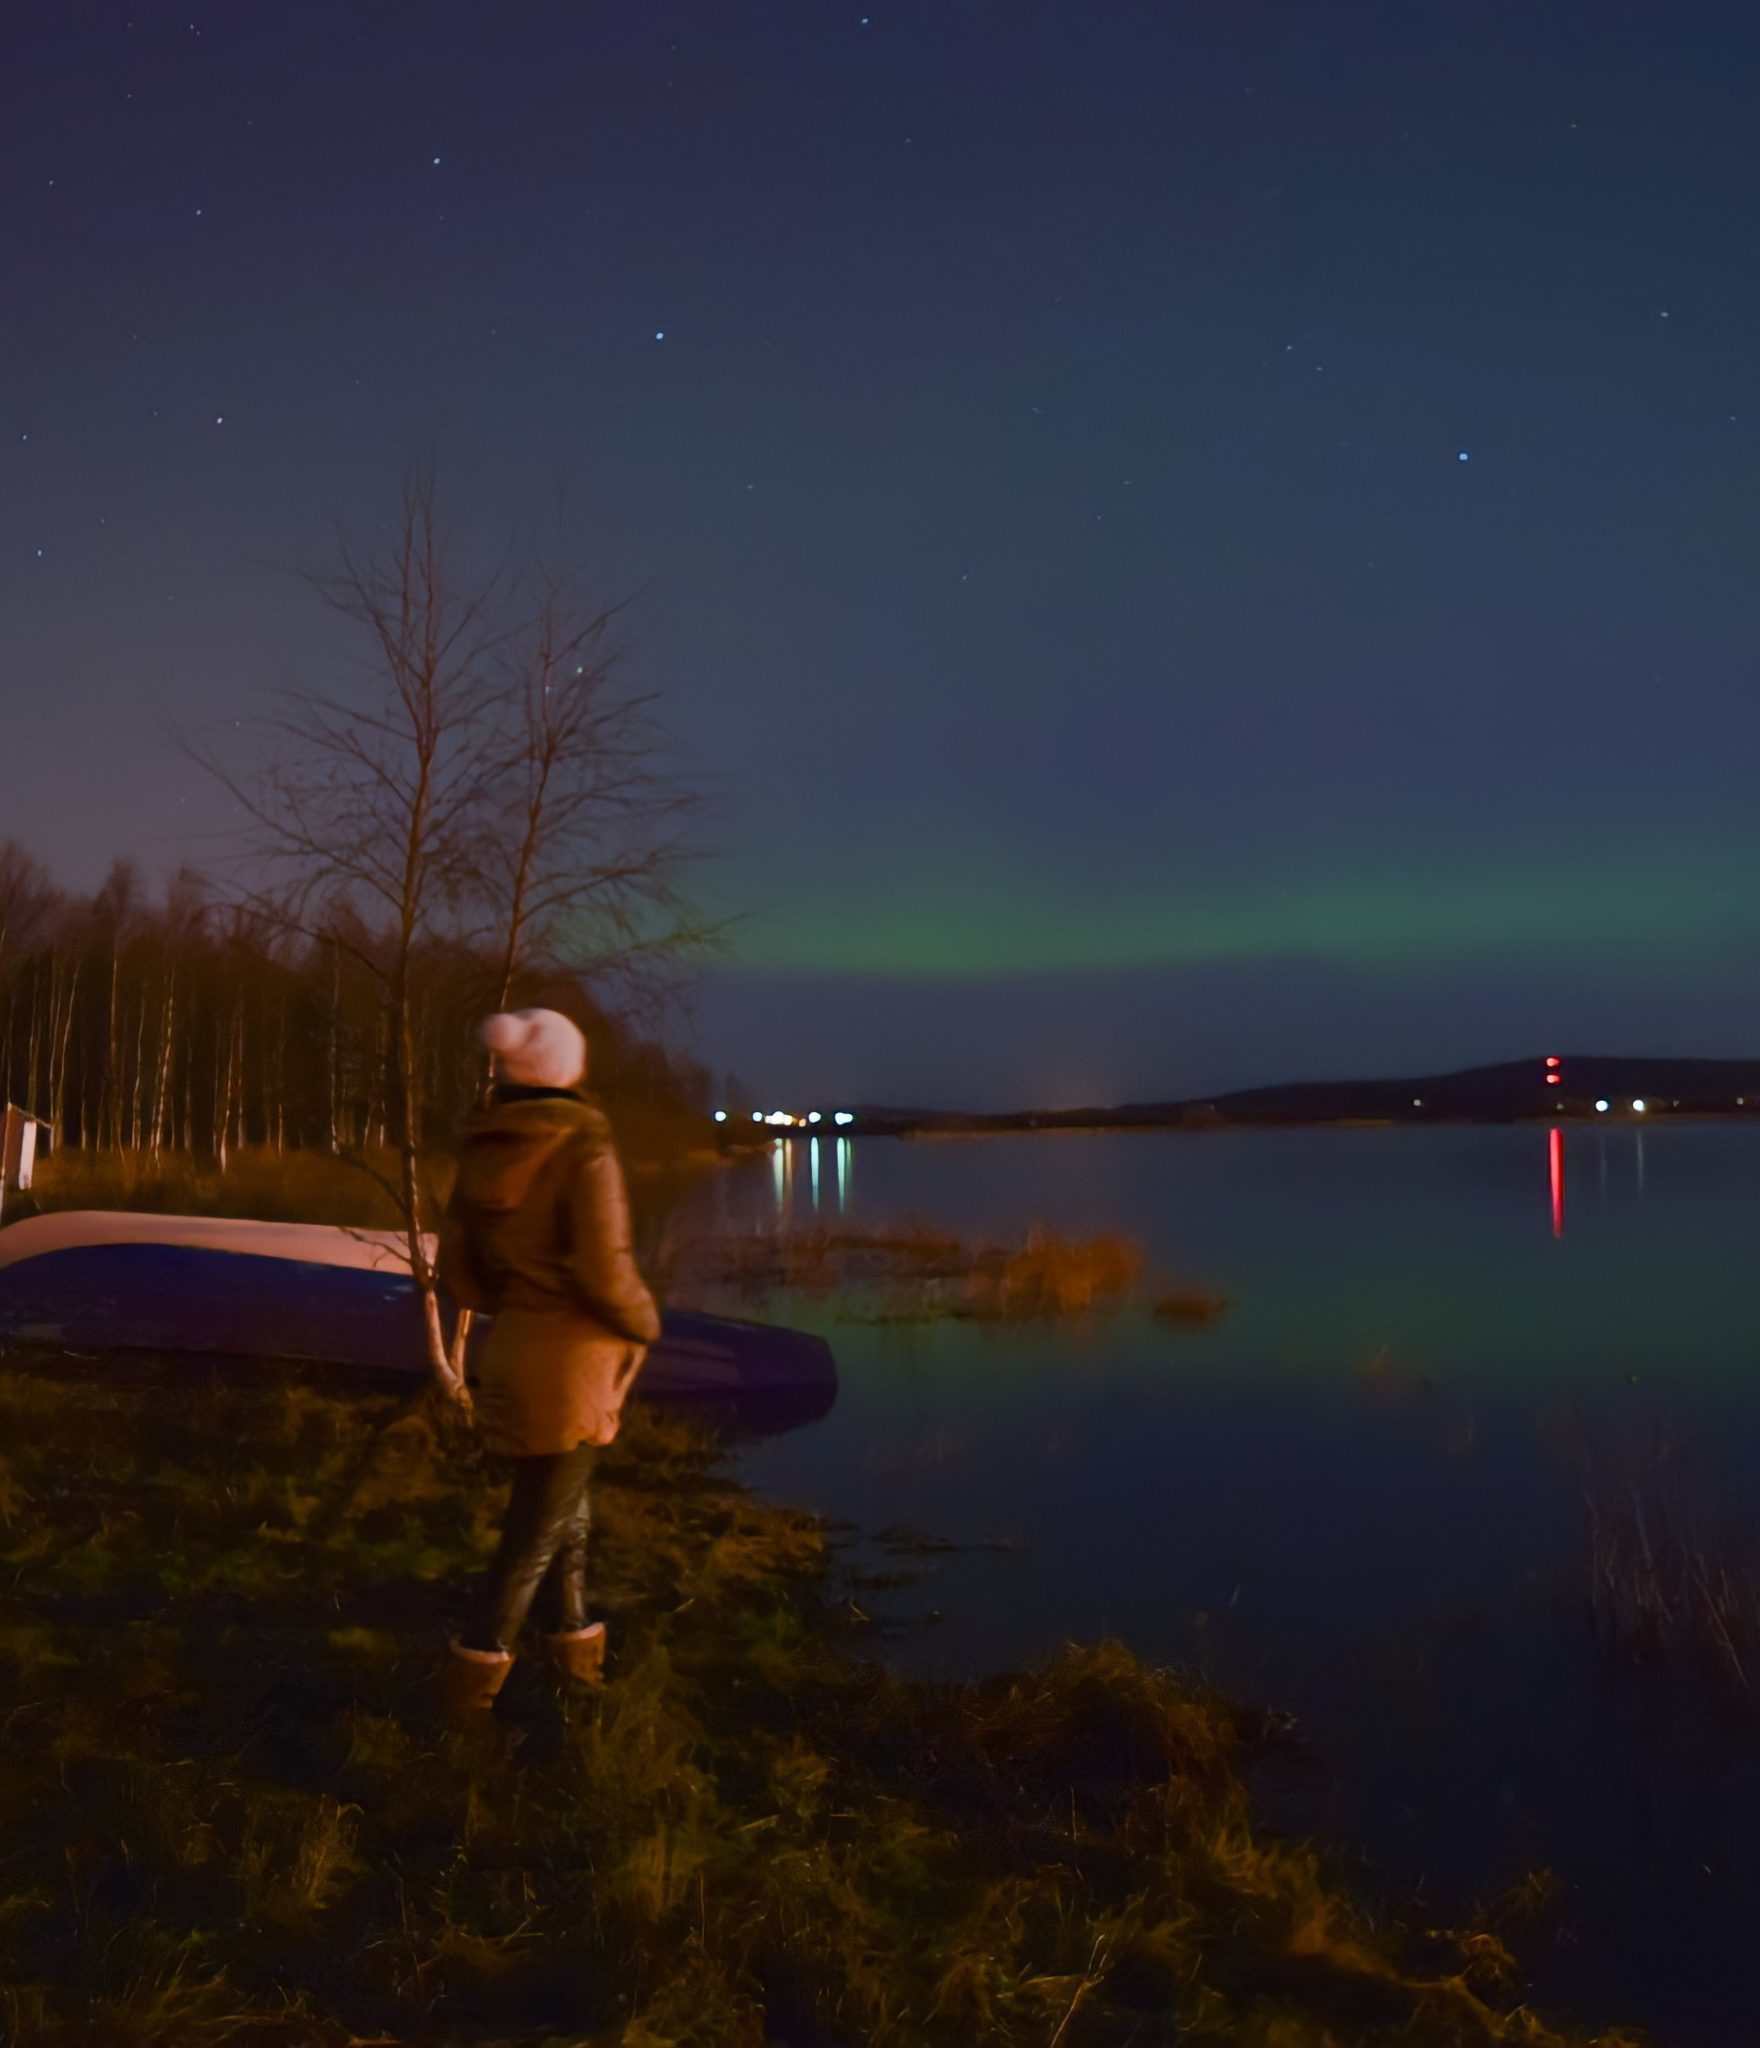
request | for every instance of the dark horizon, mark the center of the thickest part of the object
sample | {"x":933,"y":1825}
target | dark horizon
{"x":1582,"y":1074}
{"x":1143,"y":1038}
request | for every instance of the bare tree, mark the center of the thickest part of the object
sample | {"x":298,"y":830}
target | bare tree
{"x":585,"y":849}
{"x":480,"y":791}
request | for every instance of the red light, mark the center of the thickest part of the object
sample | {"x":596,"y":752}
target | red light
{"x":1552,"y":1063}
{"x":1555,"y":1080}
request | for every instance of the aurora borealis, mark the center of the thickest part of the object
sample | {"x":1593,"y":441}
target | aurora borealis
{"x":941,"y":930}
{"x":1032,"y":439}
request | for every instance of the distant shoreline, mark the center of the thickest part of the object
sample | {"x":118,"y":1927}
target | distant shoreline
{"x":1548,"y":1089}
{"x":1052,"y":1124}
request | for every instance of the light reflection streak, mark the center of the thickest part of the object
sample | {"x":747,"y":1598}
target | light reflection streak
{"x":1555,"y":1167}
{"x":844,"y":1157}
{"x":814,"y":1145}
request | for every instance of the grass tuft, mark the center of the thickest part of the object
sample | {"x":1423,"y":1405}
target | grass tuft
{"x":919,"y":1274}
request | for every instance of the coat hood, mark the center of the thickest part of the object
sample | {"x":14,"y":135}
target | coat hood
{"x":507,"y":1147}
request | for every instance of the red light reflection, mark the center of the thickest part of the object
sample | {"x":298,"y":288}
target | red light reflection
{"x":1555,"y":1166}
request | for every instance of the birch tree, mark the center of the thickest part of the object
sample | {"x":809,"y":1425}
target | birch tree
{"x":479,"y":792}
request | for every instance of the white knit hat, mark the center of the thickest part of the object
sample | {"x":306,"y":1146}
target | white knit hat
{"x":535,"y":1048}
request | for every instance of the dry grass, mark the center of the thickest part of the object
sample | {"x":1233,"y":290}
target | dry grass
{"x":1189,"y":1305}
{"x":1049,"y":1275}
{"x":919,"y":1273}
{"x":277,"y":1187}
{"x":1673,"y":1574}
{"x":229,"y":1814}
{"x":317,"y":1187}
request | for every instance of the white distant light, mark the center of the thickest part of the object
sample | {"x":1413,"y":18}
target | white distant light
{"x":814,"y":1117}
{"x":721,"y":1116}
{"x":1417,"y":1102}
{"x":779,"y":1116}
{"x":1602,"y":1106}
{"x":843,"y":1116}
{"x":1639,"y":1104}
{"x":757,"y":1116}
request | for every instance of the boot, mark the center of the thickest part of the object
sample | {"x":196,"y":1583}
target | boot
{"x":469,"y":1681}
{"x":579,"y":1654}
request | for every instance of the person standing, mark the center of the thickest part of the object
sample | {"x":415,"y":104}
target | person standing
{"x":537,"y":1233}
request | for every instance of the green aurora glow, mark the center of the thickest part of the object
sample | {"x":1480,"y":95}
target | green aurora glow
{"x":1658,"y":906}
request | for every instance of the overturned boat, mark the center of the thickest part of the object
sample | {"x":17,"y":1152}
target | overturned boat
{"x":82,"y":1280}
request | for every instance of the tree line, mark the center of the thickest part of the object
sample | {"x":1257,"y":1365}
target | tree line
{"x":476,"y":814}
{"x":180,"y":1019}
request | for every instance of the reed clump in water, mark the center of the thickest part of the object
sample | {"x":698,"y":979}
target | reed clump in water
{"x":1673,"y":1574}
{"x":918,"y":1273}
{"x":230,"y":1814}
{"x":1189,"y":1305}
{"x":1051,"y":1275}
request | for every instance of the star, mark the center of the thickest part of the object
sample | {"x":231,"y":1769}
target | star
{"x":660,"y":334}
{"x":1462,"y":456}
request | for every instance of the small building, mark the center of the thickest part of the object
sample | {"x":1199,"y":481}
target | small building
{"x":22,"y":1137}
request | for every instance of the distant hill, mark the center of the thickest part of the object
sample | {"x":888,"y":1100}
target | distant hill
{"x":1513,"y":1091}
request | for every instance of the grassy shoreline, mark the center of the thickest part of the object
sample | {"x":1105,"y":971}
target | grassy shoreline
{"x":231,"y":1816}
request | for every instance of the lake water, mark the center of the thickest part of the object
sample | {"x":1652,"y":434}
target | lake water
{"x":1352,"y":1498}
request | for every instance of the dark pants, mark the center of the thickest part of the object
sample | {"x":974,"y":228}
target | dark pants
{"x":541,"y":1561}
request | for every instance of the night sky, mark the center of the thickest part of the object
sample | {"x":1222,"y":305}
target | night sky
{"x":1193,"y":544}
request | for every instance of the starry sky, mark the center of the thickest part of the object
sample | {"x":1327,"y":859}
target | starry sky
{"x":1191,"y":544}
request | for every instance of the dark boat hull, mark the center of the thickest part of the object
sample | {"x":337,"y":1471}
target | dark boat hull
{"x":190,"y":1299}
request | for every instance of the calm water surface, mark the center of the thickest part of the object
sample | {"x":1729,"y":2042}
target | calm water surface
{"x":1352,"y":1498}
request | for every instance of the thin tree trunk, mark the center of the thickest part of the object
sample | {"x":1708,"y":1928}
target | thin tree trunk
{"x":162,"y":1097}
{"x":409,"y":1121}
{"x":136,"y":1091}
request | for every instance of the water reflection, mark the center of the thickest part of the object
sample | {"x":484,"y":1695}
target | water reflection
{"x":1441,"y":1527}
{"x":1555,"y":1170}
{"x":829,"y":1183}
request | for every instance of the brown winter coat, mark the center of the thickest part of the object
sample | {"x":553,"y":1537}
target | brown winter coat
{"x":537,"y":1232}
